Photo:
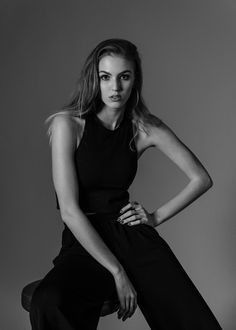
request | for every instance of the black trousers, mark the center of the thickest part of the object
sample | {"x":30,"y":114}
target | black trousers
{"x":71,"y":294}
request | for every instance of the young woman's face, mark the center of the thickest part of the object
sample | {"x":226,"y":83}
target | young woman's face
{"x":116,"y":75}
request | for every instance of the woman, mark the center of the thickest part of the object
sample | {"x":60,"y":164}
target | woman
{"x":109,"y":243}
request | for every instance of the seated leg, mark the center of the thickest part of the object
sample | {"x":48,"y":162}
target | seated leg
{"x":71,"y":295}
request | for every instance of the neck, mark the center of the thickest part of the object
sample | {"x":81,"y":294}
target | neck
{"x":111,"y":117}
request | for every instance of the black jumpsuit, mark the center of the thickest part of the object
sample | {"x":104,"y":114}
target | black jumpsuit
{"x":71,"y":295}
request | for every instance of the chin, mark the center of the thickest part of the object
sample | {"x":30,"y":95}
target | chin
{"x":115,"y":105}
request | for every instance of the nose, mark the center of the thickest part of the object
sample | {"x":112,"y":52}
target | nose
{"x":116,"y":85}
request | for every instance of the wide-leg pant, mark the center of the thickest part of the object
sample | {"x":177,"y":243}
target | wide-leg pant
{"x":71,"y":295}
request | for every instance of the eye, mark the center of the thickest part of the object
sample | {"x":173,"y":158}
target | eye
{"x":104,"y":77}
{"x":125,"y":76}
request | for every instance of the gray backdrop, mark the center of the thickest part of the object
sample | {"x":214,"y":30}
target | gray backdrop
{"x":188,"y":51}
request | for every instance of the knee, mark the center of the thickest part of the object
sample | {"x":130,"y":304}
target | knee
{"x":44,"y":296}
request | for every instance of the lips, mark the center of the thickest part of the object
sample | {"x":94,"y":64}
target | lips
{"x":115,"y":97}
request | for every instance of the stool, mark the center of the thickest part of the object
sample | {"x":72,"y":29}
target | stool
{"x":109,"y":306}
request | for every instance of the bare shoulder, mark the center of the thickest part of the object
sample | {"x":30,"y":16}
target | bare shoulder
{"x":61,"y":121}
{"x":158,"y":132}
{"x":63,"y":131}
{"x":67,"y":130}
{"x":146,"y":131}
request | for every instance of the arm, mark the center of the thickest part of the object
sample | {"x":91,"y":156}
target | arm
{"x":63,"y":143}
{"x":164,"y":139}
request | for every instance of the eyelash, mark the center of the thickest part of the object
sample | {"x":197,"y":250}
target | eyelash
{"x":106,"y":75}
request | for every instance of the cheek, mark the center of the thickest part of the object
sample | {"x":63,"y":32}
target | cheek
{"x":103,"y":90}
{"x":129,"y":88}
{"x":129,"y":84}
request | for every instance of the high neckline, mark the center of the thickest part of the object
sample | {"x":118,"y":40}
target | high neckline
{"x":101,"y":122}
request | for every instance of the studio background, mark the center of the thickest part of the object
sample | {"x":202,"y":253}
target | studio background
{"x":188,"y":53}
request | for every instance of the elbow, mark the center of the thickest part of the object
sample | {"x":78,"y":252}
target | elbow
{"x":69,"y":215}
{"x":64,"y":217}
{"x":210,"y":182}
{"x":205,"y":182}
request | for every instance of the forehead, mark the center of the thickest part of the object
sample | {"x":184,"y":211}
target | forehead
{"x":114,"y":64}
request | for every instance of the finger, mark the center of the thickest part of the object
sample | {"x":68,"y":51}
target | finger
{"x":124,"y":310}
{"x":121,"y":308}
{"x":126,"y":215}
{"x":135,"y":305}
{"x":127,"y":309}
{"x":137,"y":222}
{"x":130,"y":310}
{"x":126,"y":207}
{"x":138,"y":207}
{"x":120,"y":313}
{"x":129,"y":213}
{"x":131,"y":219}
{"x":132,"y":204}
{"x":129,"y":216}
{"x":132,"y":307}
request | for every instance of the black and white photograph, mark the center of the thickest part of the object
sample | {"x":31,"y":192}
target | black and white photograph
{"x":118,"y":165}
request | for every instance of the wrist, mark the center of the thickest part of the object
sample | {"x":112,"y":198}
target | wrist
{"x":156,"y":218}
{"x":117,"y":271}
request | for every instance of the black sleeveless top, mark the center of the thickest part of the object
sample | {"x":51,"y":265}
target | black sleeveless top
{"x":105,"y":164}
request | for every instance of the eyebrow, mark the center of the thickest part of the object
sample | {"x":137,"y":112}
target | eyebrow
{"x":119,"y":73}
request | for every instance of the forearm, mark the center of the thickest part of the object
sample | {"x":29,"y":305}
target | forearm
{"x":193,"y":190}
{"x":89,"y":238}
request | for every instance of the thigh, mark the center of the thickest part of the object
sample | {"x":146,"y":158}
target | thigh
{"x":166,"y":294}
{"x":71,"y":295}
{"x":76,"y":285}
{"x":80,"y":277}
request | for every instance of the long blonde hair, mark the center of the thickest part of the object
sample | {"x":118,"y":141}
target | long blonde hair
{"x":86,"y":96}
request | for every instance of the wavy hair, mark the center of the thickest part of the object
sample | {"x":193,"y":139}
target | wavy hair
{"x":86,"y":95}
